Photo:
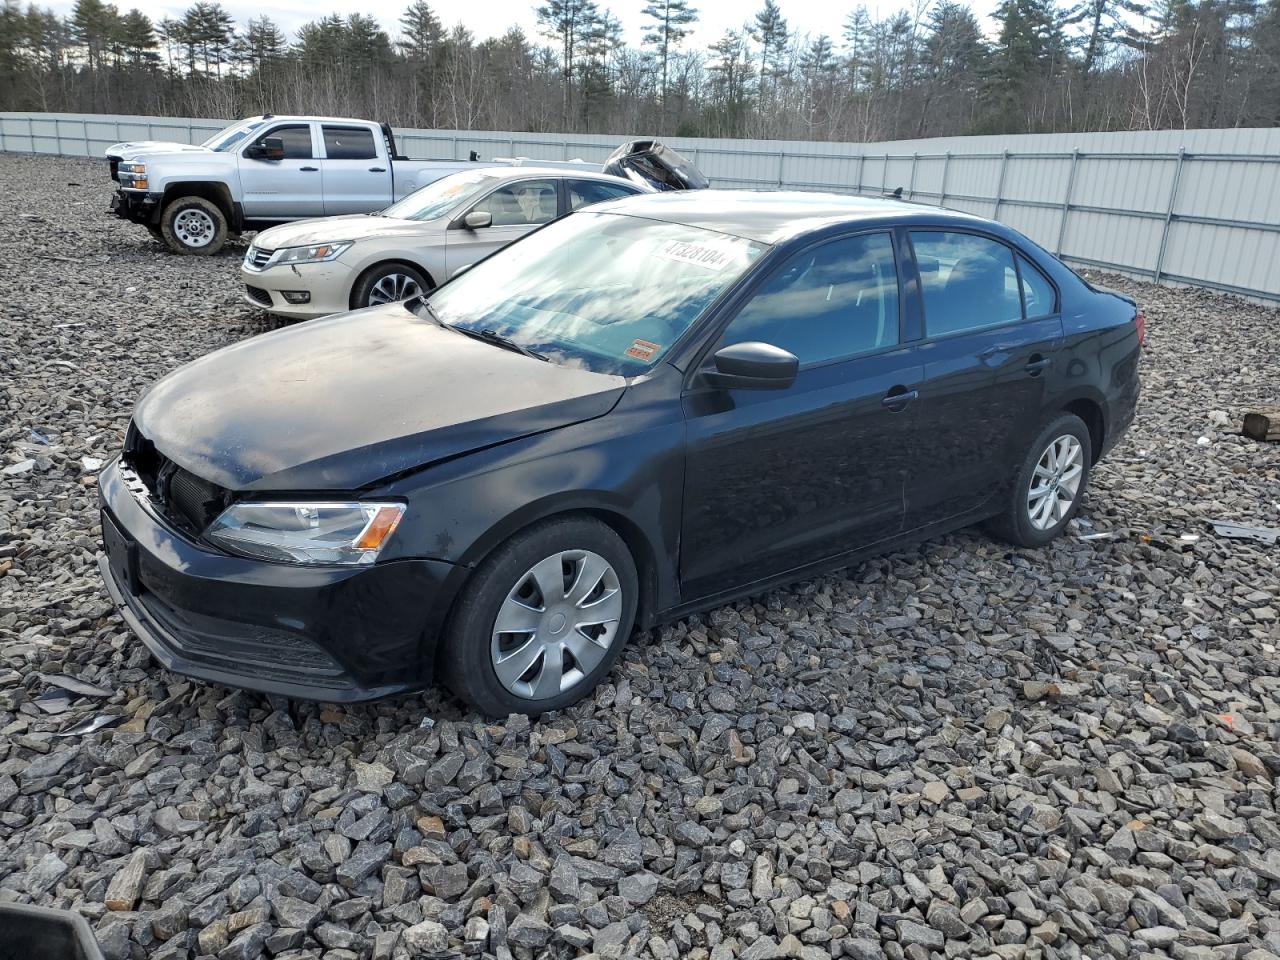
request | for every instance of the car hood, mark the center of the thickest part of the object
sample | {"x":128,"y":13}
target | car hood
{"x":357,"y":226}
{"x":133,"y":149}
{"x":344,"y":402}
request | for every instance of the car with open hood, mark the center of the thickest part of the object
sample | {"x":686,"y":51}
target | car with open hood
{"x":648,"y":406}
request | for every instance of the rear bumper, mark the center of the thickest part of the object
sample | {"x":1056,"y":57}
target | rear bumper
{"x":317,"y":633}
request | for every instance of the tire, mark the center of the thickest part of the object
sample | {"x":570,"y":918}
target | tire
{"x":388,"y":283}
{"x":194,"y":226}
{"x":1059,"y":457}
{"x":480,"y":663}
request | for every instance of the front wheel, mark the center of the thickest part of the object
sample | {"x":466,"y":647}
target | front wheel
{"x":388,"y":283}
{"x":543,"y":619}
{"x":193,"y":225}
{"x":1049,"y":485}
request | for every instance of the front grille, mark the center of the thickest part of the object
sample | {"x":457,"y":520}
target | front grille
{"x":257,"y":258}
{"x":242,"y":649}
{"x":188,"y":502}
{"x":258,"y":294}
{"x":115,"y":168}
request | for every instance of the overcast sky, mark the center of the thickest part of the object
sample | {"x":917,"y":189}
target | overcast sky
{"x":487,"y":18}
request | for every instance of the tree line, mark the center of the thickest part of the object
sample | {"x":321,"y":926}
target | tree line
{"x":928,"y":70}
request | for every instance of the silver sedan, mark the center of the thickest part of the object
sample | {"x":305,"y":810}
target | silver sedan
{"x":316,"y":267}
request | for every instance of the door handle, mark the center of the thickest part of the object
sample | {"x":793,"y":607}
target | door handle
{"x":1038,"y":364}
{"x":896,"y":400}
{"x":377,"y":169}
{"x":308,"y":169}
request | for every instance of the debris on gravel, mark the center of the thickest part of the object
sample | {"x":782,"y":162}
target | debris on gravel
{"x":961,"y":749}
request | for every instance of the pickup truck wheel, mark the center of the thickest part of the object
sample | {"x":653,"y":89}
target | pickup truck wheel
{"x":388,"y":283}
{"x":193,"y":225}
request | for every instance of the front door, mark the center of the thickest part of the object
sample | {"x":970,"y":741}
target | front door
{"x":516,"y":209}
{"x":778,"y":479}
{"x":984,"y":368}
{"x":286,"y":189}
{"x":356,"y":179}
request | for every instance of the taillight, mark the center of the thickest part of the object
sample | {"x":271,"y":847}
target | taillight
{"x":1141,"y":322}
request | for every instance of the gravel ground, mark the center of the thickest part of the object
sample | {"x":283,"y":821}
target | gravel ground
{"x":959,"y":750}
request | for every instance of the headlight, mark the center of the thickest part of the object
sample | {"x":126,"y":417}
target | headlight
{"x":320,"y":253}
{"x":132,"y":175}
{"x":132,"y":168}
{"x":343,"y":533}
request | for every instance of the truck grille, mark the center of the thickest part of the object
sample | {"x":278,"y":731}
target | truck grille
{"x":115,"y":167}
{"x":257,"y":258}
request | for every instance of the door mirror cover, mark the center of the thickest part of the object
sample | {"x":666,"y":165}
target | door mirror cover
{"x":752,"y":366}
{"x":271,"y":148}
{"x":477,"y":220}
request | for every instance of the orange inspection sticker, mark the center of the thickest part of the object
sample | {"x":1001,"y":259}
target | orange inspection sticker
{"x":643,"y":349}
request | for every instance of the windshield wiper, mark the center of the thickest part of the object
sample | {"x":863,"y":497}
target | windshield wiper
{"x":498,"y":340}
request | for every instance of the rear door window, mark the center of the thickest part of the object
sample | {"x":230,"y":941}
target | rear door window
{"x":968,"y":282}
{"x":349,"y":143}
{"x":583,"y":193}
{"x":835,"y":300}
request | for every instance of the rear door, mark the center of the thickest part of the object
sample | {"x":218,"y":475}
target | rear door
{"x":516,"y":208}
{"x":992,"y":331}
{"x":357,"y":175}
{"x":775,"y":479}
{"x":286,"y":189}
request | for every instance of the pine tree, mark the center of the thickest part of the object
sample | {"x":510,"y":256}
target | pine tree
{"x":672,"y":20}
{"x":769,"y":29}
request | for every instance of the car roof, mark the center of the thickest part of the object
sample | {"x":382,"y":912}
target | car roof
{"x":523,"y":171}
{"x":772,"y":216}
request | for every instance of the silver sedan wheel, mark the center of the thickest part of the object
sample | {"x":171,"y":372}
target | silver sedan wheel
{"x":556,"y":625}
{"x":194,"y":228}
{"x":1055,"y":484}
{"x":393,"y":288}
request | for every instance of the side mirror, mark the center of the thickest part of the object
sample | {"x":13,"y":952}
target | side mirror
{"x":477,"y":220}
{"x":752,"y":366}
{"x":271,"y":148}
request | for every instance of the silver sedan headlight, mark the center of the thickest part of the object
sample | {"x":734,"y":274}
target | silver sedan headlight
{"x":317,"y":253}
{"x":316,"y":533}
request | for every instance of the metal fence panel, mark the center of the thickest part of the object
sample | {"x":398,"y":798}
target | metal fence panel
{"x":1199,"y":207}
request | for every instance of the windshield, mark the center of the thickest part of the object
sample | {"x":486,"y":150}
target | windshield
{"x":602,"y":291}
{"x":443,"y":196}
{"x":225,"y":139}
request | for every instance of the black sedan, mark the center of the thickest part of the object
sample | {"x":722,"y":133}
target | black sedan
{"x":652,"y":406}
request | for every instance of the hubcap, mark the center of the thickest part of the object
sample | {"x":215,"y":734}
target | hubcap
{"x":1055,"y":482}
{"x":392,"y":288}
{"x":194,"y":228}
{"x":556,"y":625}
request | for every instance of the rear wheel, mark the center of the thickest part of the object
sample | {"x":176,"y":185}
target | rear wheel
{"x":1049,"y":486}
{"x":193,"y":225}
{"x":543,"y":619}
{"x":388,"y":283}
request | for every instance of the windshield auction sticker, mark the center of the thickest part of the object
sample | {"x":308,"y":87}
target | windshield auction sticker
{"x":699,"y":254}
{"x":643,"y":350}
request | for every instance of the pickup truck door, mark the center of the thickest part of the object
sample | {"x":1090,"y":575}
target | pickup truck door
{"x":287,"y":189}
{"x":357,"y":173}
{"x":517,"y":208}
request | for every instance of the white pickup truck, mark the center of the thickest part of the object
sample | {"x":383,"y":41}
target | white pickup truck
{"x":263,"y":171}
